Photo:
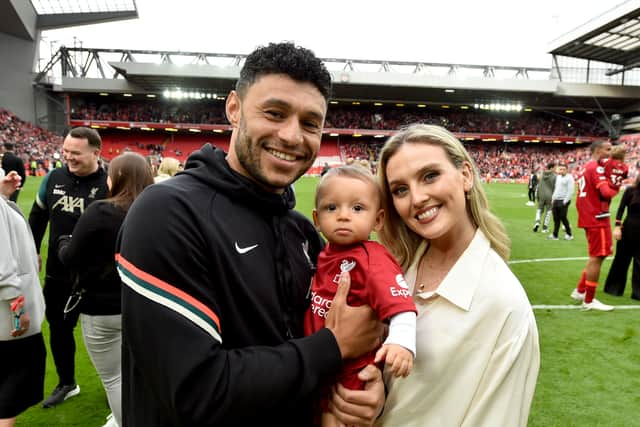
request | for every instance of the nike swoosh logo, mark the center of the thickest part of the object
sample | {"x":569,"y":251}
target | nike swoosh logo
{"x":58,"y":186}
{"x":245,"y":250}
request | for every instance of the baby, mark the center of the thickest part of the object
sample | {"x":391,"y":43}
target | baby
{"x":347,"y":210}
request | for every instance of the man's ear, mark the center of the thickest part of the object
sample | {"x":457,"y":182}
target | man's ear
{"x":314,"y":213}
{"x":233,"y":106}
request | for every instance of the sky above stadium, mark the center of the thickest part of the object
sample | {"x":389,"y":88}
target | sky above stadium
{"x":488,"y":32}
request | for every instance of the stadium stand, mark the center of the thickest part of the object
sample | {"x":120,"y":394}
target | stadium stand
{"x":548,"y":123}
{"x":33,"y":143}
{"x":497,"y":160}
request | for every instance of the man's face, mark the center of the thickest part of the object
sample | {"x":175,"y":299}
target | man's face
{"x":277,"y":130}
{"x":81,"y":158}
{"x":603,"y":152}
{"x":562,"y":170}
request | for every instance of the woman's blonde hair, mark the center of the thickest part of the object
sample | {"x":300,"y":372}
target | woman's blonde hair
{"x":400,"y":239}
{"x":169,"y":166}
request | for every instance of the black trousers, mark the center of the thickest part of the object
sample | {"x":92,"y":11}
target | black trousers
{"x":532,"y":194}
{"x":61,"y":339}
{"x":559,"y":210}
{"x":626,"y":252}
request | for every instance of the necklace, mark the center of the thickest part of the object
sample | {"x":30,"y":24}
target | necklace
{"x":428,"y":279}
{"x":420,"y":273}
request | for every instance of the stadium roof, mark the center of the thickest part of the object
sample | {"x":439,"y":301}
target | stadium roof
{"x":23,"y":19}
{"x":612,"y":37}
{"x":45,"y":7}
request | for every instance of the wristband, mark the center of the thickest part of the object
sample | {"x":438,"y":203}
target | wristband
{"x":618,"y":223}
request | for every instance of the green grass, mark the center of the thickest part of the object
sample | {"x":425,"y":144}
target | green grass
{"x":590,"y":369}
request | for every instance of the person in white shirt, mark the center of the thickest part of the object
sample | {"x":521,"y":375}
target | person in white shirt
{"x":560,"y":200}
{"x":477,"y":339}
{"x":21,"y":310}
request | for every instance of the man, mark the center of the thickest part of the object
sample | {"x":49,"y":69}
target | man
{"x":63,"y":196}
{"x":592,"y":186}
{"x":533,"y":184}
{"x":11,"y":162}
{"x":560,"y":199}
{"x":545,"y":191}
{"x":216,"y":286}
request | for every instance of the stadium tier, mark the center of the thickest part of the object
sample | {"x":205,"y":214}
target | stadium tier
{"x":362,"y":117}
{"x":504,"y":157}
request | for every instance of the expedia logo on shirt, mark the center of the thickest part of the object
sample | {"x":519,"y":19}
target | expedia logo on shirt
{"x":402,"y":290}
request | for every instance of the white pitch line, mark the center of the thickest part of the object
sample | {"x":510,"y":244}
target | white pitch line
{"x":579,"y":307}
{"x":523,"y":261}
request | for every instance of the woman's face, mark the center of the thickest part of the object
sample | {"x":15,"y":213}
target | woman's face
{"x":428,"y":191}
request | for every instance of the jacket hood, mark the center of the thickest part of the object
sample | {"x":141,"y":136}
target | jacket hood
{"x":209,"y":165}
{"x":548,"y":176}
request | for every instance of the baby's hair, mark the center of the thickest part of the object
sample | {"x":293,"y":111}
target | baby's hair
{"x":618,"y":152}
{"x":348,"y":171}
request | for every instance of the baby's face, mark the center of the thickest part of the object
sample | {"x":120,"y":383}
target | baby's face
{"x":348,"y":210}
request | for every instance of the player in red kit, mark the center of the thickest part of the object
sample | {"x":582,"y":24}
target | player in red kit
{"x":593,"y":186}
{"x":347,"y":210}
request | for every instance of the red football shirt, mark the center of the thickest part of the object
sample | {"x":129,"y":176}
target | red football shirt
{"x":590,"y":194}
{"x":376,"y":280}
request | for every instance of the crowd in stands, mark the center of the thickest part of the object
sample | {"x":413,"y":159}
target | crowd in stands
{"x":379,"y":118}
{"x":35,"y":145}
{"x":505,"y":161}
{"x":494,"y":160}
{"x":469,"y":121}
{"x":201,"y":112}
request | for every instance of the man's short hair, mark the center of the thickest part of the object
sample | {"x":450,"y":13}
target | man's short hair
{"x":298,"y":63}
{"x":89,"y":134}
{"x":8,"y":145}
{"x":551,"y":165}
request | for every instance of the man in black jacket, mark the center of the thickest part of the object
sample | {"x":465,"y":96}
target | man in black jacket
{"x":62,"y":197}
{"x":11,"y":162}
{"x":215,"y":287}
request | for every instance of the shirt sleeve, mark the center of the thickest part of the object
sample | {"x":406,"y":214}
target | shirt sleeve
{"x":39,"y":215}
{"x":624,"y":202}
{"x":402,"y":331}
{"x":505,"y":392}
{"x":570,"y":187}
{"x":173,"y":333}
{"x":388,"y":292}
{"x":9,"y":279}
{"x":89,"y":232}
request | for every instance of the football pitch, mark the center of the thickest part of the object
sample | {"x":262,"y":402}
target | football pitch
{"x":590,"y":364}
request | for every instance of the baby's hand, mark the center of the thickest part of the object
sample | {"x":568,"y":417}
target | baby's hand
{"x":397,"y":359}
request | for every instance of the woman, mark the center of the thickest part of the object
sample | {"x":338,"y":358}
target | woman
{"x":91,"y":255}
{"x":627,"y":234}
{"x":477,"y":343}
{"x":21,"y":310}
{"x":168,"y":168}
